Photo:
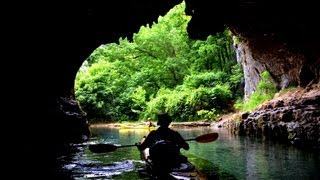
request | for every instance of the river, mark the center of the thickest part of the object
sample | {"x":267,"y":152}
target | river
{"x":229,"y":157}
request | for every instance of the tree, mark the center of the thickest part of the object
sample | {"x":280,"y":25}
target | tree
{"x":160,"y":70}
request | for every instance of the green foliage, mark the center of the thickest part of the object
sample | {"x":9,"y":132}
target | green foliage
{"x":236,"y":40}
{"x":265,"y":85}
{"x":206,"y":79}
{"x":265,"y":91}
{"x":185,"y":104}
{"x":213,"y":54}
{"x":162,"y":48}
{"x":255,"y":100}
{"x":239,"y":104}
{"x":237,"y":75}
{"x":207,"y":114}
{"x":160,"y":70}
{"x":139,"y":100}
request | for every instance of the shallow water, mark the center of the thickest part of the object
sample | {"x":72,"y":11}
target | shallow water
{"x":229,"y":157}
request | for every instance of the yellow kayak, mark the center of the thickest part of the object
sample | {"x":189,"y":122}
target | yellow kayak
{"x":132,"y":126}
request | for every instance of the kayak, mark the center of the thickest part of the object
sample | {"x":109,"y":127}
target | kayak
{"x":183,"y":171}
{"x":132,"y":126}
{"x":140,"y":132}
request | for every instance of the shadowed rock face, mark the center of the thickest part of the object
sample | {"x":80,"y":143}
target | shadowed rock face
{"x":278,"y":36}
{"x":293,"y":119}
{"x":54,"y":39}
{"x":292,"y":22}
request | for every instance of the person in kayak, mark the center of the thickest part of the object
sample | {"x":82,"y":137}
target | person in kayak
{"x":164,"y":144}
{"x":150,"y":123}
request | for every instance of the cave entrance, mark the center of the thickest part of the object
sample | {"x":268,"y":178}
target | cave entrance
{"x":158,"y":70}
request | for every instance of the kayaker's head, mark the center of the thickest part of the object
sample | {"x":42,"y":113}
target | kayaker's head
{"x":164,"y":120}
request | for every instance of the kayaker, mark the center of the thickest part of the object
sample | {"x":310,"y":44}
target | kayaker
{"x":150,"y":123}
{"x":164,"y":143}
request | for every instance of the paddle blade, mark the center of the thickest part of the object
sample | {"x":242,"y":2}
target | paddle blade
{"x":207,"y":137}
{"x":102,"y":148}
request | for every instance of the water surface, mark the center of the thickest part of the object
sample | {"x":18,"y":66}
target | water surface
{"x":229,"y":157}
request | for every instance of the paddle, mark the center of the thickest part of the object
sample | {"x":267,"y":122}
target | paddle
{"x":205,"y":138}
{"x":103,"y":148}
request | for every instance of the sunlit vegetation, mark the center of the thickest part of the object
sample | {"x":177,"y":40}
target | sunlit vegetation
{"x":161,"y":69}
{"x":265,"y":91}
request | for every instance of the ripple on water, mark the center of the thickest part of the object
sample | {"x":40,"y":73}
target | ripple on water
{"x":91,"y":169}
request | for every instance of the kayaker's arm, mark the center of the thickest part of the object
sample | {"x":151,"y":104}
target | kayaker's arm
{"x":181,"y":142}
{"x":147,"y":141}
{"x":185,"y":146}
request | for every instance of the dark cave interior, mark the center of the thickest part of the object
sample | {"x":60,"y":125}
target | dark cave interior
{"x":58,"y":37}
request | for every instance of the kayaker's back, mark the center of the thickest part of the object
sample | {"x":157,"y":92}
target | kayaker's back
{"x":164,"y":161}
{"x":165,"y":153}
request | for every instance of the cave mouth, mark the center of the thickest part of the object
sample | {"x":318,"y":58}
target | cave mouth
{"x":50,"y":103}
{"x":260,"y":32}
{"x":118,"y":51}
{"x":153,"y":59}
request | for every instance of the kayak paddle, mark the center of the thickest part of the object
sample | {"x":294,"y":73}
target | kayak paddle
{"x":205,"y":138}
{"x":103,"y":148}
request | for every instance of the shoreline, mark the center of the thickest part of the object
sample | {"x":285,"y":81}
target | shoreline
{"x":173,"y":124}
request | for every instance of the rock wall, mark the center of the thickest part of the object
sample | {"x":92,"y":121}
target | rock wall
{"x":293,"y":118}
{"x":283,"y":65}
{"x":251,"y":69}
{"x":277,"y":36}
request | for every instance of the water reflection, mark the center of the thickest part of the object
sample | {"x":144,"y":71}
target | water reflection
{"x":92,"y":169}
{"x":229,"y":157}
